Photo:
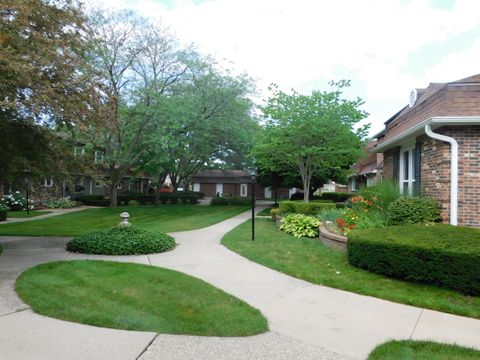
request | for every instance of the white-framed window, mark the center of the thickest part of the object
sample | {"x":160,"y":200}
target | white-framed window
{"x":407,"y":169}
{"x":98,"y":156}
{"x":119,"y":186}
{"x":78,"y":150}
{"x":353,"y":184}
{"x":48,"y":182}
{"x":243,"y":190}
{"x":98,"y":183}
{"x":219,"y":189}
{"x":196,"y":187}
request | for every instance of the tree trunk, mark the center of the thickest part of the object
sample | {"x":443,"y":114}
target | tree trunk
{"x":113,"y":195}
{"x":306,"y":187}
{"x":161,"y":180}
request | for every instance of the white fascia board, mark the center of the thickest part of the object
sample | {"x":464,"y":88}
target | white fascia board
{"x":419,"y":129}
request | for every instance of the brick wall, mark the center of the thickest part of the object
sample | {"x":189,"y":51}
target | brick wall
{"x":435,"y":168}
{"x":388,"y":164}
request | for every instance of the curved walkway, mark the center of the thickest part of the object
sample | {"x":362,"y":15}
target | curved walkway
{"x":306,"y":321}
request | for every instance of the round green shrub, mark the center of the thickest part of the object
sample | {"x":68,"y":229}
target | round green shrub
{"x":413,"y":210}
{"x":121,"y":241}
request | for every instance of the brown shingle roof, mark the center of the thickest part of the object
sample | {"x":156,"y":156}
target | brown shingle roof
{"x":457,"y":98}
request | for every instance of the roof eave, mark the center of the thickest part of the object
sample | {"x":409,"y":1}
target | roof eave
{"x":419,"y":129}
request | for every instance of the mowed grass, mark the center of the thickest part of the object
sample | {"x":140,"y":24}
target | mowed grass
{"x":136,"y":297}
{"x":310,"y":260}
{"x":422,"y":350}
{"x":165,"y":218}
{"x":265,"y":212}
{"x":23,"y":214}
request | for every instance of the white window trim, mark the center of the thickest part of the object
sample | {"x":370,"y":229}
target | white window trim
{"x":98,"y":183}
{"x":48,"y":182}
{"x":410,"y":182}
{"x":98,"y":159}
{"x":78,"y":151}
{"x":243,"y":190}
{"x":119,"y":186}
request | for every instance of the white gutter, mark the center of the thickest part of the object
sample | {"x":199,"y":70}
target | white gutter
{"x":453,"y":170}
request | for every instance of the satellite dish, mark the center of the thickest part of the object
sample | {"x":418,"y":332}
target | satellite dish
{"x":413,"y":98}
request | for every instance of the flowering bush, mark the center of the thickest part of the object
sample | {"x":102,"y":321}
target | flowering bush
{"x":15,"y":202}
{"x":62,"y":203}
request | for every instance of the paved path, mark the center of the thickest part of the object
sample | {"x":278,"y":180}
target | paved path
{"x":53,"y":212}
{"x":306,"y":321}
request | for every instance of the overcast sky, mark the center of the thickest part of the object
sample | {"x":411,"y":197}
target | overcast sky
{"x":386,"y":47}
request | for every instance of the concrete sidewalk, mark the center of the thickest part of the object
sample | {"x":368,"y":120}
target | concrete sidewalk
{"x":306,"y":321}
{"x":53,"y":212}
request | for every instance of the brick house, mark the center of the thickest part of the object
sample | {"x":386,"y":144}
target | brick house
{"x":367,"y":171}
{"x":233,"y":183}
{"x":431,"y":147}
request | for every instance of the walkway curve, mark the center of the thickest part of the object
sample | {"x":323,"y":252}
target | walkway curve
{"x":307,"y":321}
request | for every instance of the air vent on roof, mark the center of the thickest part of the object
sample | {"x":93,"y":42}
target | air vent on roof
{"x":413,"y":98}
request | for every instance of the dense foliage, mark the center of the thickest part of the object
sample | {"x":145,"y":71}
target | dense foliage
{"x":231,"y":200}
{"x":300,"y":207}
{"x":441,"y":255}
{"x":310,"y":136}
{"x":122,"y":241}
{"x":300,"y":225}
{"x":336,"y":196}
{"x":413,"y":210}
{"x":61,"y":203}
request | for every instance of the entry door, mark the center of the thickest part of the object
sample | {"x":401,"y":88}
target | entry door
{"x":219,"y":189}
{"x":243,"y":190}
{"x":268,"y":193}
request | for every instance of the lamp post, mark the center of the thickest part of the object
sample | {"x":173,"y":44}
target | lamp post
{"x":253,"y":174}
{"x":26,"y":193}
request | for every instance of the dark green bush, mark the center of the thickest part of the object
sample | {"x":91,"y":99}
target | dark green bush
{"x":121,"y":241}
{"x":3,"y":215}
{"x":305,"y":208}
{"x":413,"y":210}
{"x":91,"y":197}
{"x":336,"y":196}
{"x":231,"y":200}
{"x":441,"y":255}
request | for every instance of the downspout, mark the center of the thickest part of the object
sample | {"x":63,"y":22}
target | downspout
{"x":453,"y":171}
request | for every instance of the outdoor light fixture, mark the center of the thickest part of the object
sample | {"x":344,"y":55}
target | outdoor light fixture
{"x":253,"y":175}
{"x":26,"y":194}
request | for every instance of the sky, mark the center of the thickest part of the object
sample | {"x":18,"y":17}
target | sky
{"x":385,"y":47}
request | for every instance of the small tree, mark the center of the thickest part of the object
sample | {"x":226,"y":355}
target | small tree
{"x":310,"y":135}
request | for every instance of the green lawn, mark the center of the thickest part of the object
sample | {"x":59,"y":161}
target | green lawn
{"x":421,"y":350}
{"x":23,"y":214}
{"x":310,"y":260}
{"x":265,"y":212}
{"x":136,"y":297}
{"x":165,"y":218}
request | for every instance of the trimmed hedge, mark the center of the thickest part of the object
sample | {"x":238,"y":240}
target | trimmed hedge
{"x":440,"y":255}
{"x":305,"y":208}
{"x":121,"y":241}
{"x":3,"y":215}
{"x":231,"y":200}
{"x":336,"y":196}
{"x":169,"y":198}
{"x":413,"y":210}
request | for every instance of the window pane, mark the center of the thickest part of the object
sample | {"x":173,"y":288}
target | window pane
{"x":406,"y":165}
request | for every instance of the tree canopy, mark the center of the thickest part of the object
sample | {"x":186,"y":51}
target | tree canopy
{"x":310,"y":135}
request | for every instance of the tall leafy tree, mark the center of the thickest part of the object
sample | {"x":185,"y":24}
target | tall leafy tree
{"x":312,"y":136}
{"x":205,"y":120}
{"x":137,"y":61}
{"x":43,"y":81}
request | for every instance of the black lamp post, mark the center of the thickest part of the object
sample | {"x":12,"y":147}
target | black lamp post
{"x":253,"y":175}
{"x":26,"y":193}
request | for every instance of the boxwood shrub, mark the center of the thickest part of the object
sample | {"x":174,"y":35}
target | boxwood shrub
{"x":413,"y":210}
{"x":3,"y":215}
{"x":441,"y":255}
{"x":305,"y":208}
{"x":121,"y":241}
{"x":336,"y":196}
{"x":231,"y":200}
